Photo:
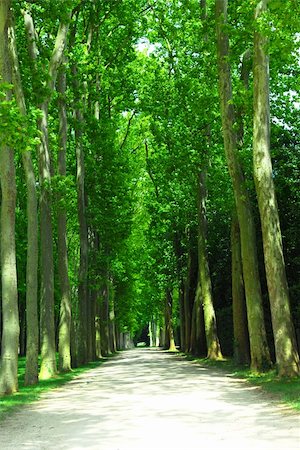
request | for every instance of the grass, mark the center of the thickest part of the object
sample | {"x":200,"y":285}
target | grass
{"x":29,"y":394}
{"x":284,"y":390}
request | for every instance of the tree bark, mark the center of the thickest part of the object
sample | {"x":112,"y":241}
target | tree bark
{"x":187,"y":307}
{"x":83,"y":231}
{"x":32,"y":327}
{"x":287,"y":357}
{"x":260,"y":357}
{"x":104,"y":323}
{"x":240,"y":328}
{"x":212,"y":340}
{"x":64,"y":332}
{"x":10,"y":313}
{"x":199,"y":347}
{"x":112,"y":324}
{"x":98,"y":330}
{"x":182,"y":315}
{"x":169,"y":338}
{"x":47,"y":330}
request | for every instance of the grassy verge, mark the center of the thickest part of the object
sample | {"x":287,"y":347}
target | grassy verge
{"x":284,"y":390}
{"x":29,"y":394}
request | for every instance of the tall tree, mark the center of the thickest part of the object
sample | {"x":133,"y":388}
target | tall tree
{"x":10,"y":316}
{"x":287,"y":357}
{"x":240,"y":329}
{"x":64,"y":338}
{"x":212,"y":340}
{"x":47,"y":332}
{"x":260,"y":357}
{"x":32,"y":328}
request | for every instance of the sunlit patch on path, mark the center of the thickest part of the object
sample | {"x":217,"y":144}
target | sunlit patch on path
{"x":148,"y":399}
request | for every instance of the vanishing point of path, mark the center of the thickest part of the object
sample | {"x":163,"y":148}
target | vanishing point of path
{"x":146,"y":399}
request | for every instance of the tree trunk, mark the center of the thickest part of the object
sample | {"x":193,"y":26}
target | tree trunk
{"x":98,"y":330}
{"x":199,"y":348}
{"x":112,"y":324}
{"x":64,"y":332}
{"x":32,"y":326}
{"x":169,"y":338}
{"x":240,"y":328}
{"x":32,"y":321}
{"x":47,"y":329}
{"x":213,"y":345}
{"x":154,"y":333}
{"x":287,"y":357}
{"x":182,"y":316}
{"x":187,"y":307}
{"x":92,"y":338}
{"x":193,"y":331}
{"x":10,"y":313}
{"x":83,"y":235}
{"x":260,"y":357}
{"x":104,"y":327}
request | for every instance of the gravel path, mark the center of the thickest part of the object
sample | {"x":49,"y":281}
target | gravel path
{"x":146,"y":399}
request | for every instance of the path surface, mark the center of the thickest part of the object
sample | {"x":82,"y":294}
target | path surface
{"x":147,"y":399}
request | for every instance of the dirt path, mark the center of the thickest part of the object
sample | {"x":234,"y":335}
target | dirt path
{"x":147,"y":399}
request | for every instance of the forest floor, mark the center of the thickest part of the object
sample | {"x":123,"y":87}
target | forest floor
{"x":147,"y":399}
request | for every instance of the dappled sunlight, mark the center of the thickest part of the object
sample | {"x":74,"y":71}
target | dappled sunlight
{"x":149,"y":399}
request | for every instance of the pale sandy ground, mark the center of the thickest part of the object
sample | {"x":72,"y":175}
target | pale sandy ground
{"x":148,"y":399}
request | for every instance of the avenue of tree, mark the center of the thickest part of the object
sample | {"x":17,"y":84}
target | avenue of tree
{"x":150,"y":175}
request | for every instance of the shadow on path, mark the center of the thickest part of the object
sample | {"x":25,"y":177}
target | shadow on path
{"x":149,"y":399}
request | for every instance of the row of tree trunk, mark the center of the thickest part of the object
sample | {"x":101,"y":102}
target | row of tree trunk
{"x":89,"y":331}
{"x":197,"y":310}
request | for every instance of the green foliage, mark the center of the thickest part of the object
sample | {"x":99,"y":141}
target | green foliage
{"x":143,"y":77}
{"x":16,"y":131}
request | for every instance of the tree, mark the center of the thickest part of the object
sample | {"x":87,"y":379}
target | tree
{"x":287,"y":357}
{"x":64,"y":340}
{"x":260,"y":357}
{"x":213,"y":345}
{"x":10,"y":333}
{"x":32,"y":329}
{"x":47,"y":332}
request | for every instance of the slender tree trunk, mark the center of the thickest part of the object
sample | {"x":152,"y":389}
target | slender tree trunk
{"x":187,"y":307}
{"x":153,"y":329}
{"x":169,"y":338}
{"x":104,"y":327}
{"x":47,"y":328}
{"x":240,"y":328}
{"x":260,"y":357}
{"x":200,"y":348}
{"x":64,"y":331}
{"x":98,"y":330}
{"x":182,"y":316}
{"x":92,"y":337}
{"x":193,"y":331}
{"x":32,"y":321}
{"x":83,"y":235}
{"x":32,"y":328}
{"x":112,"y":324}
{"x":22,"y":324}
{"x":213,"y":345}
{"x":287,"y":357}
